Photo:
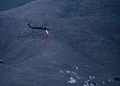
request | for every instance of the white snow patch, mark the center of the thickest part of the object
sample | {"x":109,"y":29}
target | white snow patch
{"x":68,"y":71}
{"x":76,"y":75}
{"x":73,"y":73}
{"x":103,"y":82}
{"x":72,"y":80}
{"x":61,"y":71}
{"x":91,"y":77}
{"x":110,"y":80}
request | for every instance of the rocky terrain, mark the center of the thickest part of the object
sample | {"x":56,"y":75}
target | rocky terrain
{"x":81,"y":49}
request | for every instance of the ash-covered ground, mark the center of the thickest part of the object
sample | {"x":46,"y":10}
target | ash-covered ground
{"x":81,"y":49}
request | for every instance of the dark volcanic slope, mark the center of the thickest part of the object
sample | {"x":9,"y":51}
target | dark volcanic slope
{"x":83,"y":33}
{"x":8,"y":4}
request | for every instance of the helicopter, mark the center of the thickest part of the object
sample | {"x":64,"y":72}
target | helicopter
{"x":42,"y":27}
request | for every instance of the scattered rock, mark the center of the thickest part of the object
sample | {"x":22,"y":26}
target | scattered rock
{"x":90,"y":81}
{"x":1,"y":61}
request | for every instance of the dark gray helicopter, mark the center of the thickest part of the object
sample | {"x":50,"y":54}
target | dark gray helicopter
{"x":40,"y":27}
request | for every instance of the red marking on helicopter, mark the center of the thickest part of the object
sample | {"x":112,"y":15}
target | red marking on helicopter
{"x":46,"y":31}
